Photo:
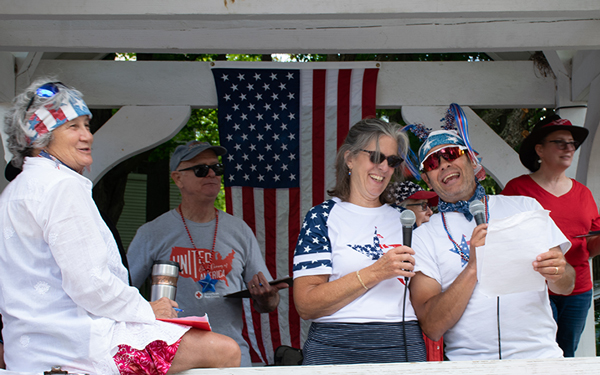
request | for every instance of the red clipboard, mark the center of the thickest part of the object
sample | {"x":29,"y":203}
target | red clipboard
{"x":200,"y":322}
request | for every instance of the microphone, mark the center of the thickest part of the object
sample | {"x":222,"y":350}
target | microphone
{"x":477,"y":209}
{"x":407,"y":218}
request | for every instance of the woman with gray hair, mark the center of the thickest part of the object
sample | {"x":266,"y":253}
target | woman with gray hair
{"x":350,"y":265}
{"x":65,"y":294}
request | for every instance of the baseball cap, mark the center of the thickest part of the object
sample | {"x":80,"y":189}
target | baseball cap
{"x":190,"y":150}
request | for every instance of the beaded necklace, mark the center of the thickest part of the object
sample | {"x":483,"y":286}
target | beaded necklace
{"x":190,"y":235}
{"x":464,"y":257}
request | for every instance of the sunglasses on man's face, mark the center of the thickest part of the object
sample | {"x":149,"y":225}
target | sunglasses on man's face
{"x":449,"y":153}
{"x":393,"y":160}
{"x":47,"y":90}
{"x":201,"y":170}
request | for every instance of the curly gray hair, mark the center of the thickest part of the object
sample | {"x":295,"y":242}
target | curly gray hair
{"x":359,"y":137}
{"x":16,"y":119}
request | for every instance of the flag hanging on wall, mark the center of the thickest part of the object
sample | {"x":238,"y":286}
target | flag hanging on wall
{"x":282,"y":129}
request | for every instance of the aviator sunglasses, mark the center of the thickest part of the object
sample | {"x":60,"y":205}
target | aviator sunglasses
{"x":393,"y":160}
{"x":201,"y":170}
{"x":449,"y":153}
{"x":47,"y":90}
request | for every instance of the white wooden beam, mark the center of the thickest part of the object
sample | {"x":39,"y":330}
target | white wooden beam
{"x":576,"y":113}
{"x":291,"y":9}
{"x":131,"y":131}
{"x":289,"y":26}
{"x":498,"y":158}
{"x":586,"y":67}
{"x":27,"y":67}
{"x":588,"y":169}
{"x":7,"y":74}
{"x":250,"y":35}
{"x":556,"y":63}
{"x":566,"y":107}
{"x":508,"y":84}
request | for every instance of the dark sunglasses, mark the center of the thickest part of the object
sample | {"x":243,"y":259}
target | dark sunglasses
{"x":424,"y":205}
{"x":562,"y":145}
{"x":201,"y":170}
{"x":47,"y":90}
{"x":393,"y":160}
{"x":449,"y":153}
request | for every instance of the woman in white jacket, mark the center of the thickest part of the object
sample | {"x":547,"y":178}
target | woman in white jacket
{"x":65,"y":298}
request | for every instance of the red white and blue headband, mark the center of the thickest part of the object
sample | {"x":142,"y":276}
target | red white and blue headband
{"x":47,"y":117}
{"x":455,"y":132}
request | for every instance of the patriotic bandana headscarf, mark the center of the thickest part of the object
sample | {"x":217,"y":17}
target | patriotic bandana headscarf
{"x":455,"y":132}
{"x":47,"y":118}
{"x":437,"y":138}
{"x":450,"y":137}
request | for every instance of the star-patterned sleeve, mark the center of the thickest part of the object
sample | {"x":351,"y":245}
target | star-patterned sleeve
{"x":313,"y":250}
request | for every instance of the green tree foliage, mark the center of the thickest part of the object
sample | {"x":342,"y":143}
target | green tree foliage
{"x":234,"y":57}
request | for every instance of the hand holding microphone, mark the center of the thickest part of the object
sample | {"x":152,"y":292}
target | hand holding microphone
{"x":395,"y":262}
{"x":477,"y":209}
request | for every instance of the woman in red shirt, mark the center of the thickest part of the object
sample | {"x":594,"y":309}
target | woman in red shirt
{"x":547,"y":152}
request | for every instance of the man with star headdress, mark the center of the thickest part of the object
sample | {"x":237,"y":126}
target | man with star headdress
{"x":445,"y":292}
{"x":217,"y":252}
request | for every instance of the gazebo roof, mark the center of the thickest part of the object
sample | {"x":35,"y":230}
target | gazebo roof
{"x":289,"y":26}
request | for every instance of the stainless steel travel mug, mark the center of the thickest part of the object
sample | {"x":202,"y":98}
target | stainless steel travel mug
{"x":164,"y":279}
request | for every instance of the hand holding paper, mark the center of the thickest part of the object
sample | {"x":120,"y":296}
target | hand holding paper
{"x":504,"y":264}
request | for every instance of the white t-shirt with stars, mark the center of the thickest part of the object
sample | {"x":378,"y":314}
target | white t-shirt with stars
{"x":338,"y":238}
{"x":527,"y":328}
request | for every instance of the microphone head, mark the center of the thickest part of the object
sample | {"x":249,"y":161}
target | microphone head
{"x":476,"y":207}
{"x":407,"y":218}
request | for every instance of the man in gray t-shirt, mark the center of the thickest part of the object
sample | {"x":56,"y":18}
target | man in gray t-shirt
{"x":218,"y":253}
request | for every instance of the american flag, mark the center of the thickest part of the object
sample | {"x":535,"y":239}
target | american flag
{"x":282,"y":128}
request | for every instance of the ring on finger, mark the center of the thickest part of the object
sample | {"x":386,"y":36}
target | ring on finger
{"x":556,"y":270}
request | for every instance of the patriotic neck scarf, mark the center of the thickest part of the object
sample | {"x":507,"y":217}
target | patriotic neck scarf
{"x":54,"y":159}
{"x":47,"y":118}
{"x":463,"y":206}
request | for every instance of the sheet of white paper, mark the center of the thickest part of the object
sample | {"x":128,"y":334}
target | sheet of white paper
{"x":504,"y":264}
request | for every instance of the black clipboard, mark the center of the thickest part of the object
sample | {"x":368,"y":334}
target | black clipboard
{"x":246,"y":293}
{"x":592,"y":233}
